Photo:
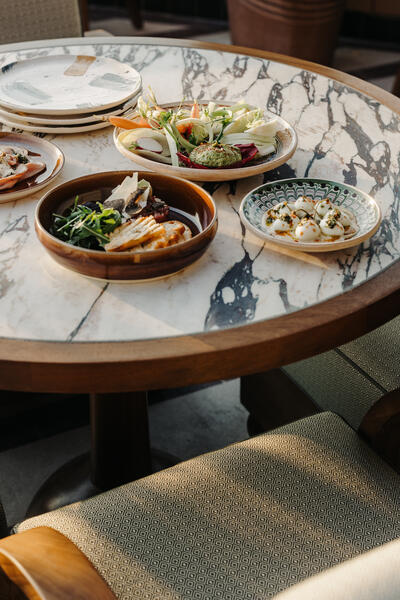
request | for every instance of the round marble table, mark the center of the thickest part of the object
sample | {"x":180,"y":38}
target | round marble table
{"x":241,"y":308}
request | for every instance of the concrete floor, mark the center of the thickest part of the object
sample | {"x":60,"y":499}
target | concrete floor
{"x":185,"y":424}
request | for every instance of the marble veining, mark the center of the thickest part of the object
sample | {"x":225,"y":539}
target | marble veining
{"x":343,"y":135}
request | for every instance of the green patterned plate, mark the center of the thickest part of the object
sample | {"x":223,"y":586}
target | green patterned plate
{"x":259,"y":200}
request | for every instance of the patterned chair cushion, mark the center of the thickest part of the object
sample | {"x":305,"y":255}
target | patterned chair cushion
{"x":26,"y":20}
{"x":350,"y":379}
{"x":242,"y":523}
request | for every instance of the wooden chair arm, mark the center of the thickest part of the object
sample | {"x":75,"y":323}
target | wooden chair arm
{"x":42,"y":564}
{"x":381,"y":428}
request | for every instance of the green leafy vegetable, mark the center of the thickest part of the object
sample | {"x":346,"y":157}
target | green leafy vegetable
{"x":180,"y":140}
{"x":84,"y":226}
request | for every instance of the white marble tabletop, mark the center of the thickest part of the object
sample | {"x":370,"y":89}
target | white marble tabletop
{"x":343,"y":135}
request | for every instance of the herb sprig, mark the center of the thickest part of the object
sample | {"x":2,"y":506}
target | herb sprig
{"x":84,"y":226}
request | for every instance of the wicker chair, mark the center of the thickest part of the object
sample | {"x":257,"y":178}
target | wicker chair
{"x":24,"y":20}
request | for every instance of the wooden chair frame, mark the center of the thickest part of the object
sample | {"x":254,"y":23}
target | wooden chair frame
{"x":42,"y":564}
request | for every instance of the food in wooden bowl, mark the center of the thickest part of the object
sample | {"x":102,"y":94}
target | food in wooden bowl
{"x":204,"y":141}
{"x":124,"y":226}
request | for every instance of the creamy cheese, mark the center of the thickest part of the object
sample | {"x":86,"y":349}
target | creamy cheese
{"x":303,"y":206}
{"x":281,"y":225}
{"x":323,"y":206}
{"x":307,"y":230}
{"x":5,"y":169}
{"x":330,"y":226}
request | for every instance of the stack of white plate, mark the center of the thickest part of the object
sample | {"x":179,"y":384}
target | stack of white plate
{"x":66,"y":94}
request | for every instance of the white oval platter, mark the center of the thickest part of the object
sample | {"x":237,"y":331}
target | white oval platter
{"x":287,"y":143}
{"x":67,"y":84}
{"x":55,"y":128}
{"x":78,"y":119}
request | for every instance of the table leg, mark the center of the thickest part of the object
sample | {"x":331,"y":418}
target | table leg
{"x":120,"y":444}
{"x":120,"y":452}
{"x":273,"y":400}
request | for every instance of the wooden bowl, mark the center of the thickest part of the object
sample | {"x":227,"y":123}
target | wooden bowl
{"x":287,"y":143}
{"x":197,"y":205}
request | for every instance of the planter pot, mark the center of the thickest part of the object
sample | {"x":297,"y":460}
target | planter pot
{"x":306,"y":29}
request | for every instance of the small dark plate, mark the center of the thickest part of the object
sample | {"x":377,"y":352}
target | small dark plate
{"x":188,"y":202}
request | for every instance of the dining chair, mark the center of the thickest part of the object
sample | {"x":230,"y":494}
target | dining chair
{"x":283,"y":515}
{"x":359,"y":380}
{"x":24,"y":20}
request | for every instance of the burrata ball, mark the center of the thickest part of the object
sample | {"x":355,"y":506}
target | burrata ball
{"x":307,"y":231}
{"x":330,"y":225}
{"x":304,"y":206}
{"x":323,"y":206}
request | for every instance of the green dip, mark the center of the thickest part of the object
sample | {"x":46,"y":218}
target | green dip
{"x":215,"y":155}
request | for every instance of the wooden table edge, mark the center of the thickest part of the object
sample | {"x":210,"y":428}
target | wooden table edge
{"x":207,"y":356}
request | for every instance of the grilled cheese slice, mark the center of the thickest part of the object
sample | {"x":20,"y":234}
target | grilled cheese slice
{"x":134,"y":233}
{"x":175,"y":232}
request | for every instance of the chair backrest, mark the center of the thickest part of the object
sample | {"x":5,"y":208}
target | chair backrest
{"x":351,"y":379}
{"x":25,"y":20}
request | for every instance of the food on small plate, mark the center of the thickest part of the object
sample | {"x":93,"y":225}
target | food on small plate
{"x":200,"y":136}
{"x":16,"y":165}
{"x":307,"y":220}
{"x":131,"y":219}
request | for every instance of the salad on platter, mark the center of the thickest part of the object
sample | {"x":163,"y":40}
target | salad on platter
{"x":199,"y":136}
{"x":131,"y":219}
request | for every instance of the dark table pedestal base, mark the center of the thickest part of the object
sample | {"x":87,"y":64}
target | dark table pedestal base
{"x":72,"y":483}
{"x":120,"y":453}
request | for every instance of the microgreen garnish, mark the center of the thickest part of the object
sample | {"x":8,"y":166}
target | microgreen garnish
{"x":82,"y":226}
